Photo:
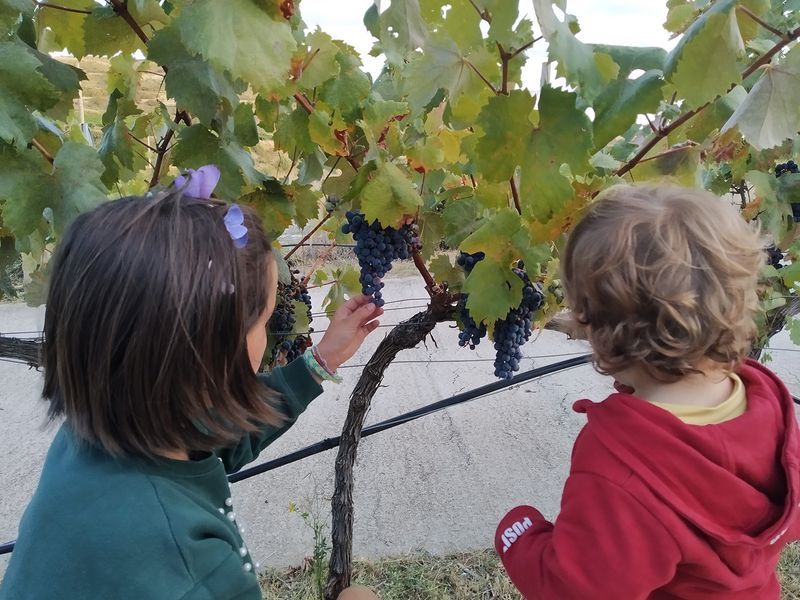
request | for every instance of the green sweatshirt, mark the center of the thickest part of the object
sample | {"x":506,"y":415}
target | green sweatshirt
{"x":100,"y":528}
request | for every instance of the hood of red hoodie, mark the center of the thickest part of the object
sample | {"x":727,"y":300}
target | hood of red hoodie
{"x":737,"y":481}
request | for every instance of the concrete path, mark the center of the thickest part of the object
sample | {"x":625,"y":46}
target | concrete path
{"x":438,"y":484}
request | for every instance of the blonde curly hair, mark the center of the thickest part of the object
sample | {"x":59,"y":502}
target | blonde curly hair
{"x":664,"y":278}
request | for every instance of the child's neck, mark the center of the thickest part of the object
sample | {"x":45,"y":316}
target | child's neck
{"x":175,"y":454}
{"x":709,"y":388}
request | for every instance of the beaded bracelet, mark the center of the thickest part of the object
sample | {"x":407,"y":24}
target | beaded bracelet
{"x":316,"y":365}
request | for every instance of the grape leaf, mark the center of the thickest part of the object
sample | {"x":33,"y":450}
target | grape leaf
{"x":206,"y":92}
{"x":679,"y":165}
{"x":461,"y":22}
{"x":23,"y":88}
{"x":493,"y":290}
{"x":618,"y":106}
{"x":505,"y":121}
{"x":631,"y":58}
{"x":389,"y":195}
{"x":198,"y":146}
{"x":323,"y":128}
{"x":794,"y":331}
{"x":320,"y":61}
{"x":346,"y":92}
{"x":461,"y":219}
{"x":10,"y":13}
{"x":267,"y":113}
{"x":494,"y":237}
{"x":105,"y":33}
{"x":442,"y":66}
{"x":273,"y":205}
{"x":714,"y":36}
{"x":291,"y":133}
{"x":239,"y":37}
{"x":29,"y":185}
{"x":578,"y":62}
{"x":244,"y":123}
{"x":65,"y":28}
{"x":115,"y":150}
{"x":378,"y":114}
{"x":563,"y":137}
{"x":306,"y":203}
{"x":681,"y":14}
{"x":444,"y":271}
{"x":401,"y":29}
{"x":769,"y":115}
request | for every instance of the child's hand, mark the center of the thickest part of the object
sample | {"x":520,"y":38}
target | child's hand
{"x":354,"y":320}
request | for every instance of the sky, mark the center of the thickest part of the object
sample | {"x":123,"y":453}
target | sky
{"x":624,"y":22}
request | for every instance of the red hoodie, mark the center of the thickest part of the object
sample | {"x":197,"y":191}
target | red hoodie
{"x":654,"y":508}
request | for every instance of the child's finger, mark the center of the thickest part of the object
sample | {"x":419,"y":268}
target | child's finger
{"x":354,"y":304}
{"x":368,"y":328}
{"x":365,"y":312}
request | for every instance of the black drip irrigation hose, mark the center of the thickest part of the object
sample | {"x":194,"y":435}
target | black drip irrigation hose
{"x":333,"y":442}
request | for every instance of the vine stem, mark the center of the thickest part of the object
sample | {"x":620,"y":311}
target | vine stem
{"x":479,"y":74}
{"x":320,"y":259}
{"x":121,"y":8}
{"x":761,"y":21}
{"x":143,"y":143}
{"x":764,"y":59}
{"x":43,"y":150}
{"x":79,"y":11}
{"x":317,"y":227}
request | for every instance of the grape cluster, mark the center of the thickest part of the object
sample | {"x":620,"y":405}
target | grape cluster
{"x":471,"y":333}
{"x":790,"y":167}
{"x":283,"y":321}
{"x":787,"y":167}
{"x":513,"y":331}
{"x":331,"y":202}
{"x":774,"y":256}
{"x":376,"y":248}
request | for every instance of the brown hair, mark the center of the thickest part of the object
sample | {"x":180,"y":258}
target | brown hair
{"x":146,"y":322}
{"x":664,"y":278}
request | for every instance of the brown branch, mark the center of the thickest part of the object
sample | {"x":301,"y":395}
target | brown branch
{"x":308,"y":236}
{"x":164,"y":147}
{"x":25,"y":351}
{"x":331,"y":282}
{"x":333,"y":168}
{"x":515,"y":194}
{"x":483,"y":14}
{"x":121,"y":8}
{"x":145,"y":144}
{"x":653,"y":127}
{"x":43,"y":150}
{"x":761,"y":22}
{"x":303,"y":101}
{"x":673,"y":150}
{"x":778,"y":322}
{"x":522,"y":49}
{"x":64,"y":8}
{"x":291,"y":166}
{"x":479,"y":74}
{"x":406,"y":335}
{"x":665,"y":131}
{"x":430,"y":284}
{"x":320,"y":259}
{"x":505,"y":57}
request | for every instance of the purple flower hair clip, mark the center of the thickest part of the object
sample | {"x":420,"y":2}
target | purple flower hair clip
{"x":199,"y":183}
{"x":234,"y":223}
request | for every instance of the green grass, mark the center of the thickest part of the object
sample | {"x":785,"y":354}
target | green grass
{"x":467,"y":576}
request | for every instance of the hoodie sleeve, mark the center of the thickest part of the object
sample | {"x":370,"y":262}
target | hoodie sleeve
{"x":605,"y":544}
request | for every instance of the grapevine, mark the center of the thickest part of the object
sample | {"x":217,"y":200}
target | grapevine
{"x":377,"y":247}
